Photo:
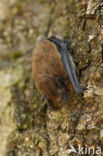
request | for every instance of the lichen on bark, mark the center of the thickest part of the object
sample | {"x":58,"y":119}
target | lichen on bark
{"x":36,"y":130}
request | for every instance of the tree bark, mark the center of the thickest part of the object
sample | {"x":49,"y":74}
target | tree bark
{"x":79,"y":123}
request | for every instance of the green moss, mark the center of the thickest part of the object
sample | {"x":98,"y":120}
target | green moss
{"x":66,"y":34}
{"x":17,"y":54}
{"x":80,"y":63}
{"x":87,"y":61}
{"x":41,"y":1}
{"x":35,"y":106}
{"x":36,"y":140}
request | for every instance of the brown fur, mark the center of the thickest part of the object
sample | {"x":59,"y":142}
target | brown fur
{"x":46,"y":66}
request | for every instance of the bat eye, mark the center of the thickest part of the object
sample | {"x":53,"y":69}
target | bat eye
{"x":59,"y":81}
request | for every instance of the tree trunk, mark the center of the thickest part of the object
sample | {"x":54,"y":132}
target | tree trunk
{"x":77,"y":125}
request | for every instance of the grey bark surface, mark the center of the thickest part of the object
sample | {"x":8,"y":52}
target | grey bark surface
{"x":27,"y":126}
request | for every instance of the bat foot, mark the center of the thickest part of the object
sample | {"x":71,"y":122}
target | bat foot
{"x":43,"y":97}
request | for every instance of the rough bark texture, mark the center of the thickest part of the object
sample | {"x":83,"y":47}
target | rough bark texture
{"x":27,"y":126}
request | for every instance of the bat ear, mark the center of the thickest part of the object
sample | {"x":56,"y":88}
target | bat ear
{"x":59,"y":81}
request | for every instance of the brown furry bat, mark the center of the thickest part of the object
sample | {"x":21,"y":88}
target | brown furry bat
{"x":50,"y":76}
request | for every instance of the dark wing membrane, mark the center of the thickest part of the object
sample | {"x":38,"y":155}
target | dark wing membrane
{"x":65,"y":56}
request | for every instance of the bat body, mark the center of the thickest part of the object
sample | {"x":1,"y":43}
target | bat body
{"x":49,"y":72}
